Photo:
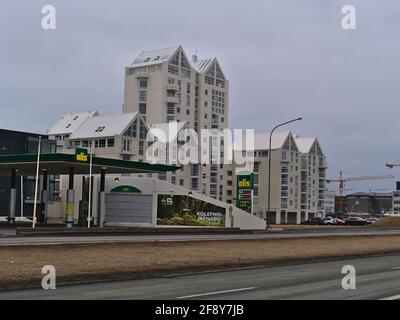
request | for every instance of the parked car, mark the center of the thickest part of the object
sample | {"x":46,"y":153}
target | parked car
{"x":329,"y":221}
{"x":356,"y":221}
{"x":315,"y":221}
{"x":372,"y":220}
{"x":340,"y":221}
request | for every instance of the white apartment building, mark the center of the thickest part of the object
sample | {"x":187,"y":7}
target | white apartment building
{"x":165,"y":85}
{"x":298,"y":173}
{"x":120,"y":136}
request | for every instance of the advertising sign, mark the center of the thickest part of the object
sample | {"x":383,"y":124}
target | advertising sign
{"x":81,"y":155}
{"x":187,"y":211}
{"x":245,"y":185}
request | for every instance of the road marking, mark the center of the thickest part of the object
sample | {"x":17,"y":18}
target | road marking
{"x":214,"y":293}
{"x":396,"y":268}
{"x":392,"y":298}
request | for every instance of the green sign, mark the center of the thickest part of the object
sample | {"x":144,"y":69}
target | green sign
{"x":81,"y":155}
{"x":244,"y":194}
{"x":126,"y":189}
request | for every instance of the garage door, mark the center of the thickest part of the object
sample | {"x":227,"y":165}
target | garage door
{"x":129,"y":208}
{"x":292,"y":217}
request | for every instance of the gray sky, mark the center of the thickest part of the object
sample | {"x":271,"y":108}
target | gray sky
{"x":284,"y":58}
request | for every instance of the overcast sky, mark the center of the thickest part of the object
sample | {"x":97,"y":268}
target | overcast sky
{"x":284,"y":58}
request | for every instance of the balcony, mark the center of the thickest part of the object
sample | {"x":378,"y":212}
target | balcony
{"x":173,"y":99}
{"x":140,"y":74}
{"x":172,"y":87}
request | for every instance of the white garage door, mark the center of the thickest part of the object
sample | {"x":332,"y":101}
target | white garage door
{"x":129,"y":208}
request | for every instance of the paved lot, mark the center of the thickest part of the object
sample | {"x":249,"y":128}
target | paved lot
{"x":376,"y":278}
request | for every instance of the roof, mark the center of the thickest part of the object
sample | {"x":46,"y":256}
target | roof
{"x":109,"y":126}
{"x":261,"y":140}
{"x":70,"y":122}
{"x":60,"y":164}
{"x":202,"y":65}
{"x":165,"y":128}
{"x":304,"y":144}
{"x":151,"y":57}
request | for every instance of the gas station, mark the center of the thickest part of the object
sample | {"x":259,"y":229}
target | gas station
{"x":69,"y":165}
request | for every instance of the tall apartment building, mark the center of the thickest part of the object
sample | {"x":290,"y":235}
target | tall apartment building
{"x":298,"y":173}
{"x":164,"y":86}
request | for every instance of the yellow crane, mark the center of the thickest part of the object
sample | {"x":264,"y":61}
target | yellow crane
{"x":342,"y":180}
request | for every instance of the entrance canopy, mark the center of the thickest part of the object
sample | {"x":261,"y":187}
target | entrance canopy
{"x":61,"y":164}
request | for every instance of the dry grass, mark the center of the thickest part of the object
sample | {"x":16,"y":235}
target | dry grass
{"x":22,"y":265}
{"x":387,"y":222}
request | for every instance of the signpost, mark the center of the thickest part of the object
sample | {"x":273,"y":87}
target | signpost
{"x":244,"y":187}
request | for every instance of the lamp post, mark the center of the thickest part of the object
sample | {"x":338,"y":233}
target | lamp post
{"x":269,"y":164}
{"x":90,"y":185}
{"x":36,"y":184}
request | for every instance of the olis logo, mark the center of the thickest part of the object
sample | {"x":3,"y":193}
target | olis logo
{"x":81,"y":156}
{"x":244,"y":183}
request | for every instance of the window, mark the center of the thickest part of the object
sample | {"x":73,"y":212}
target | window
{"x":143,"y":108}
{"x":187,"y":111}
{"x":141,"y":148}
{"x":181,"y":182}
{"x":100,"y":129}
{"x":102,"y":143}
{"x":143,"y":83}
{"x":68,"y":126}
{"x":126,"y":145}
{"x":143,"y":95}
{"x":110,"y":143}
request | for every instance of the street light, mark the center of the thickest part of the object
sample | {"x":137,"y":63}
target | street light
{"x":269,"y":164}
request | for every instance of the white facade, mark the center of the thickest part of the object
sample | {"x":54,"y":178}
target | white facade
{"x":165,"y":85}
{"x":298,"y":173}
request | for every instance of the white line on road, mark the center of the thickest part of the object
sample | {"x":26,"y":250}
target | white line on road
{"x":214,"y":293}
{"x":396,"y":268}
{"x":392,"y":298}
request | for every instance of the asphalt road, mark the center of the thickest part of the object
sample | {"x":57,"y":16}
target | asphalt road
{"x":376,"y":278}
{"x":17,"y":241}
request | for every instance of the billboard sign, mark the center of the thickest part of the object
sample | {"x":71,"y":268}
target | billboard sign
{"x":188,"y":211}
{"x":244,"y":187}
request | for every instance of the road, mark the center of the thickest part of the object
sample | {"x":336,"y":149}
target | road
{"x":18,"y":241}
{"x":376,"y":278}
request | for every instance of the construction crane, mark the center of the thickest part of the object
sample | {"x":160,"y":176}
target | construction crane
{"x":392,"y":165}
{"x":343,"y":180}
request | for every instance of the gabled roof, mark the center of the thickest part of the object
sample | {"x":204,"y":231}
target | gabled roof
{"x":70,"y":122}
{"x":203,"y":65}
{"x":261,"y":140}
{"x":151,"y":57}
{"x":165,"y":128}
{"x":109,"y":126}
{"x":304,"y":144}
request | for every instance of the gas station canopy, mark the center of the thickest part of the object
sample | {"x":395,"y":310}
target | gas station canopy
{"x":62,"y":164}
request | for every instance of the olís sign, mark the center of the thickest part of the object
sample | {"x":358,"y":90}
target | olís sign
{"x":188,"y":211}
